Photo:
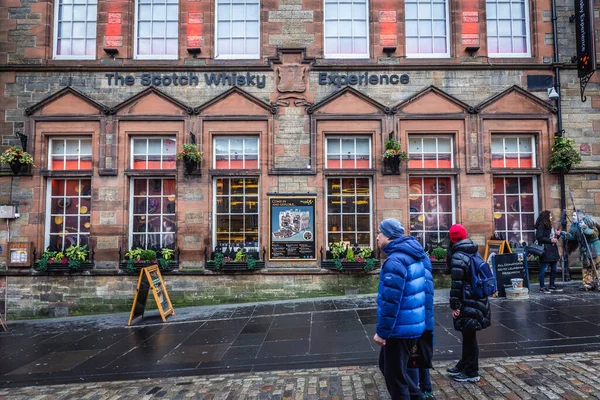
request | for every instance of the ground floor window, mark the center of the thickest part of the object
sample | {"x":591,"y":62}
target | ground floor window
{"x":349,"y":211}
{"x":515,"y":208}
{"x":153,"y":222}
{"x":431,"y":210}
{"x":68,"y":213}
{"x":236,"y":212}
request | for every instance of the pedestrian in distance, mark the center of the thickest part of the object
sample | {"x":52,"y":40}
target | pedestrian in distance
{"x":470,"y":313}
{"x":546,"y":235}
{"x":585,"y":228}
{"x":401,"y":311}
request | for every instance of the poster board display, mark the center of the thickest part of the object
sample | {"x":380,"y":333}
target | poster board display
{"x":151,"y":280}
{"x":507,"y":267}
{"x":495,"y":247}
{"x":292,"y":228}
{"x":20,"y":254}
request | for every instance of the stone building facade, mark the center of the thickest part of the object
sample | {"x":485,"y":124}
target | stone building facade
{"x":299,"y":105}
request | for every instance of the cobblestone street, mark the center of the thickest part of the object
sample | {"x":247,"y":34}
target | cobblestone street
{"x":558,"y":376}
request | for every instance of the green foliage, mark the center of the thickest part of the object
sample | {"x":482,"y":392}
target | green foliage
{"x":130,"y":268}
{"x":336,"y":249}
{"x":564,"y":155}
{"x":350,"y":255}
{"x":74,"y":264}
{"x":167,"y":254}
{"x":394,"y":148}
{"x":134,"y":254}
{"x":251,"y":262}
{"x":365,"y":252}
{"x":41,"y":265}
{"x":148,"y":255}
{"x":338,"y":264}
{"x":77,"y":253}
{"x":163,"y":264}
{"x":219,"y":260}
{"x":190,"y":152}
{"x":14,"y":154}
{"x":59,"y":256}
{"x":370,"y":264}
{"x":48,"y":254}
{"x":239,"y":256}
{"x":439,"y":253}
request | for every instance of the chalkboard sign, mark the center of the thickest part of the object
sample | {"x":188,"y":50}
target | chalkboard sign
{"x":507,"y":267}
{"x":151,"y":279}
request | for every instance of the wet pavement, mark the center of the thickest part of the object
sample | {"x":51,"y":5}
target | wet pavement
{"x":273,"y":336}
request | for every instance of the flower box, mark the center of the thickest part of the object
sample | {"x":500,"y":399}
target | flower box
{"x":234,"y":266}
{"x":348,"y":266}
{"x":64,"y":268}
{"x":139,"y":265}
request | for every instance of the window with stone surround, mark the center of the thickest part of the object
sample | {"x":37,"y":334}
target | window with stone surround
{"x":152,"y":219}
{"x":346,"y":29}
{"x":427,"y":28}
{"x":236,"y":152}
{"x":515,"y":207}
{"x":237,"y":29}
{"x":153,"y":153}
{"x":236,"y":217}
{"x":430,"y":151}
{"x":508,"y":28}
{"x":70,"y":154}
{"x":68,"y":213}
{"x":75,"y":29}
{"x":348,"y":152}
{"x":156,"y":29}
{"x":432,"y":209}
{"x":513,"y":151}
{"x":349,"y":211}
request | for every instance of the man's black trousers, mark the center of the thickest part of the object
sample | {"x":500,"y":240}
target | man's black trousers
{"x":393,"y":361}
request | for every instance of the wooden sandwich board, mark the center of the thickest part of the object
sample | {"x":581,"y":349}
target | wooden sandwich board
{"x":496,"y":247}
{"x":151,"y":280}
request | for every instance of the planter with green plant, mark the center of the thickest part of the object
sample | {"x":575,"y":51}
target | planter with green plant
{"x":350,"y":259}
{"x":392,"y":156}
{"x":437,"y":257}
{"x":191,"y":156}
{"x":564,"y":155}
{"x":16,"y":158}
{"x":138,"y":258}
{"x":230,"y":260}
{"x":73,"y":259}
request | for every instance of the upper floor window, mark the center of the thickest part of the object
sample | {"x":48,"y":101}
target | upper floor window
{"x":348,"y":152}
{"x":237,"y":29}
{"x":430,"y":152}
{"x":427,"y":28}
{"x":153,"y":153}
{"x":156,"y":29}
{"x":513,"y":152}
{"x":236,"y":153}
{"x":70,"y":154}
{"x":508,"y":28}
{"x":346,"y":29}
{"x":75,"y":29}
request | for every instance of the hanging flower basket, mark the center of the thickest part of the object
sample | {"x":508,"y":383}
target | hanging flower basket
{"x":191,"y":157}
{"x":15,"y":166}
{"x":190,"y":165}
{"x":16,"y":158}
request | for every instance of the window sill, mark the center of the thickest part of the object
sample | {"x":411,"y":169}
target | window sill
{"x":234,"y":172}
{"x":66,"y":173}
{"x":516,"y":171}
{"x":433,"y":171}
{"x":347,"y":171}
{"x":150,"y":172}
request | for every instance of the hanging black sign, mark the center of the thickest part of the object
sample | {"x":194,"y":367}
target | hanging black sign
{"x":584,"y":29}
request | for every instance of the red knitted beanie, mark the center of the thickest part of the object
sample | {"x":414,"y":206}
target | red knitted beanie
{"x":457,"y":233}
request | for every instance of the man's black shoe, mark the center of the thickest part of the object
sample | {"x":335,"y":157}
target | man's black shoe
{"x":453,"y":371}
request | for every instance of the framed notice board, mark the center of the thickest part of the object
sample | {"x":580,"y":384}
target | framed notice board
{"x":292,"y":228}
{"x":20,"y":254}
{"x":493,"y":247}
{"x":151,"y":280}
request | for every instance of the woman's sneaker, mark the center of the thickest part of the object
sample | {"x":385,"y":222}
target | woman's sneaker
{"x":544,"y":290}
{"x":465,"y":378}
{"x":555,"y":289}
{"x":428,"y":395}
{"x":453,"y":371}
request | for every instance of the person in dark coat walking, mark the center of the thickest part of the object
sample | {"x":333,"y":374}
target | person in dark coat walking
{"x":547,"y":236}
{"x":470,"y":314}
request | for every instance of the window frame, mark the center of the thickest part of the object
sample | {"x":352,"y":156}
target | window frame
{"x":448,"y":35}
{"x":137,"y":56}
{"x":131,"y":210}
{"x":527,"y":34}
{"x":431,"y":136}
{"x":64,"y":139}
{"x":48,"y":208}
{"x":215,"y":214}
{"x":341,"y":214}
{"x":535,"y":193}
{"x":345,"y":55}
{"x":517,"y":136}
{"x":341,"y":138}
{"x":256,"y":56}
{"x":55,"y":55}
{"x":161,"y":137}
{"x":229,"y":138}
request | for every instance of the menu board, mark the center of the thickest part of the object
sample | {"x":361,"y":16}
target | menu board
{"x":292,"y":228}
{"x":151,"y":279}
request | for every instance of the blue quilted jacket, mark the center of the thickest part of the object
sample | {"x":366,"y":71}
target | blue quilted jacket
{"x":403,"y":291}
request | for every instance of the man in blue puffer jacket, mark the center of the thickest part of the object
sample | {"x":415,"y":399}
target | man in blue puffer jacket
{"x":402,"y":311}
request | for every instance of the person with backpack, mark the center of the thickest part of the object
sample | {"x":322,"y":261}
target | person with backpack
{"x":471,"y":284}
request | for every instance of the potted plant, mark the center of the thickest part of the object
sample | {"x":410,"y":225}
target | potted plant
{"x":138,"y":258}
{"x":191,"y":157}
{"x":74,"y":258}
{"x":438,"y":258}
{"x":350,"y":258}
{"x":230,"y":260}
{"x":393,"y":155}
{"x":564,"y":155}
{"x":16,"y":158}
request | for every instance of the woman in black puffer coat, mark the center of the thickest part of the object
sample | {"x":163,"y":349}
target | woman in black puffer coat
{"x":470,"y":314}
